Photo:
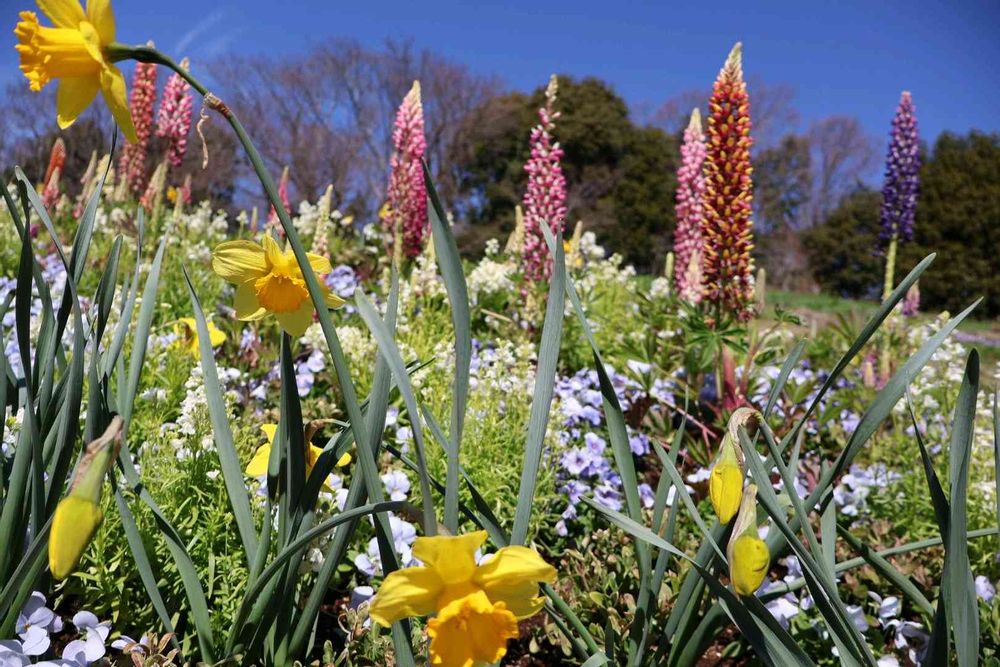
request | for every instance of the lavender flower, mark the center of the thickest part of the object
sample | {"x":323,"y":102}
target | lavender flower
{"x":902,"y":179}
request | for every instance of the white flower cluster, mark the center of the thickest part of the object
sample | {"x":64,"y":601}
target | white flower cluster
{"x":490,"y":277}
{"x":190,"y":434}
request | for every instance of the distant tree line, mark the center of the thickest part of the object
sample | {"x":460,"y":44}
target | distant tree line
{"x":327,"y":114}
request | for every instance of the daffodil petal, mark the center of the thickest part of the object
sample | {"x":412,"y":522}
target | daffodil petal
{"x":409,"y":592}
{"x":239,"y":261}
{"x":333,"y":301}
{"x":247,"y":306}
{"x":103,"y":19}
{"x":344,"y":460}
{"x":270,"y":430}
{"x":73,"y":96}
{"x":64,"y":13}
{"x":320,"y":265}
{"x":296,"y":322}
{"x":115,"y":96}
{"x":258,"y":464}
{"x":452,"y":556}
{"x":215,"y":335}
{"x":512,"y":577}
{"x":272,"y":250}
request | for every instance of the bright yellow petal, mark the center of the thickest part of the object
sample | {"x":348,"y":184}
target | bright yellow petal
{"x":470,"y":631}
{"x":332,"y":300}
{"x":409,"y":592}
{"x":73,"y":525}
{"x":270,"y":430}
{"x":73,"y":96}
{"x":64,"y":13}
{"x":258,"y":464}
{"x":453,"y":558}
{"x":297,"y":321}
{"x":320,"y":265}
{"x":512,"y":577}
{"x":344,"y":460}
{"x":247,"y":306}
{"x":116,"y":97}
{"x":239,"y":261}
{"x":215,"y":335}
{"x":272,"y":250}
{"x":100,"y":15}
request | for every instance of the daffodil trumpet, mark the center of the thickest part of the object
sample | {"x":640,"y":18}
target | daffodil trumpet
{"x":476,"y":606}
{"x":748,"y":555}
{"x":79,"y":514}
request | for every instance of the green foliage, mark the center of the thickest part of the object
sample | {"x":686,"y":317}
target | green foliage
{"x":957,"y":213}
{"x":621,"y":176}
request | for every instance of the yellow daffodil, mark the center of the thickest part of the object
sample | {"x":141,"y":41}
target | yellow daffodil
{"x":269,"y":280}
{"x":477,"y":607}
{"x":187,"y":331}
{"x":749,"y":557}
{"x":74,"y":51}
{"x":725,"y":484}
{"x":258,"y":464}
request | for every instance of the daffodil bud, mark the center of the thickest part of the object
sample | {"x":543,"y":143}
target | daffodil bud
{"x":725,"y":484}
{"x":78,"y":515}
{"x":749,"y":557}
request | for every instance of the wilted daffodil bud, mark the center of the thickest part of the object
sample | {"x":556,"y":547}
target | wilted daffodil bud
{"x":79,"y":514}
{"x":725,"y":484}
{"x":749,"y":557}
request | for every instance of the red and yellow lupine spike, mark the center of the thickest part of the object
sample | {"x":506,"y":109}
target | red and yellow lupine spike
{"x":727,"y":227}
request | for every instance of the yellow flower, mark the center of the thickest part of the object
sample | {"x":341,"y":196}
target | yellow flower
{"x":749,"y":557}
{"x":258,"y":464}
{"x":75,"y":520}
{"x":73,"y":51}
{"x":187,"y":330}
{"x":477,"y":606}
{"x":269,"y":280}
{"x":471,"y":630}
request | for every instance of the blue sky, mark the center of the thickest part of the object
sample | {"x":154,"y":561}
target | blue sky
{"x":844,"y":57}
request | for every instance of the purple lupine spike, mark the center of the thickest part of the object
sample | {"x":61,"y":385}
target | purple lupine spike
{"x":173,"y":122}
{"x":902,"y":174}
{"x":545,"y":197}
{"x":405,"y":213}
{"x":690,"y":190}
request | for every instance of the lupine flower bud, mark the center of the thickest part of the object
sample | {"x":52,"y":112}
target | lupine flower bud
{"x":748,"y":555}
{"x":272,"y":215}
{"x":321,"y":234}
{"x":727,"y":229}
{"x":404,"y":217}
{"x":902,"y":174}
{"x":689,"y":210}
{"x":515,"y":242}
{"x":132,"y":164}
{"x":173,"y":122}
{"x":911,"y":303}
{"x":50,"y":194}
{"x":545,"y":197}
{"x":57,"y":160}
